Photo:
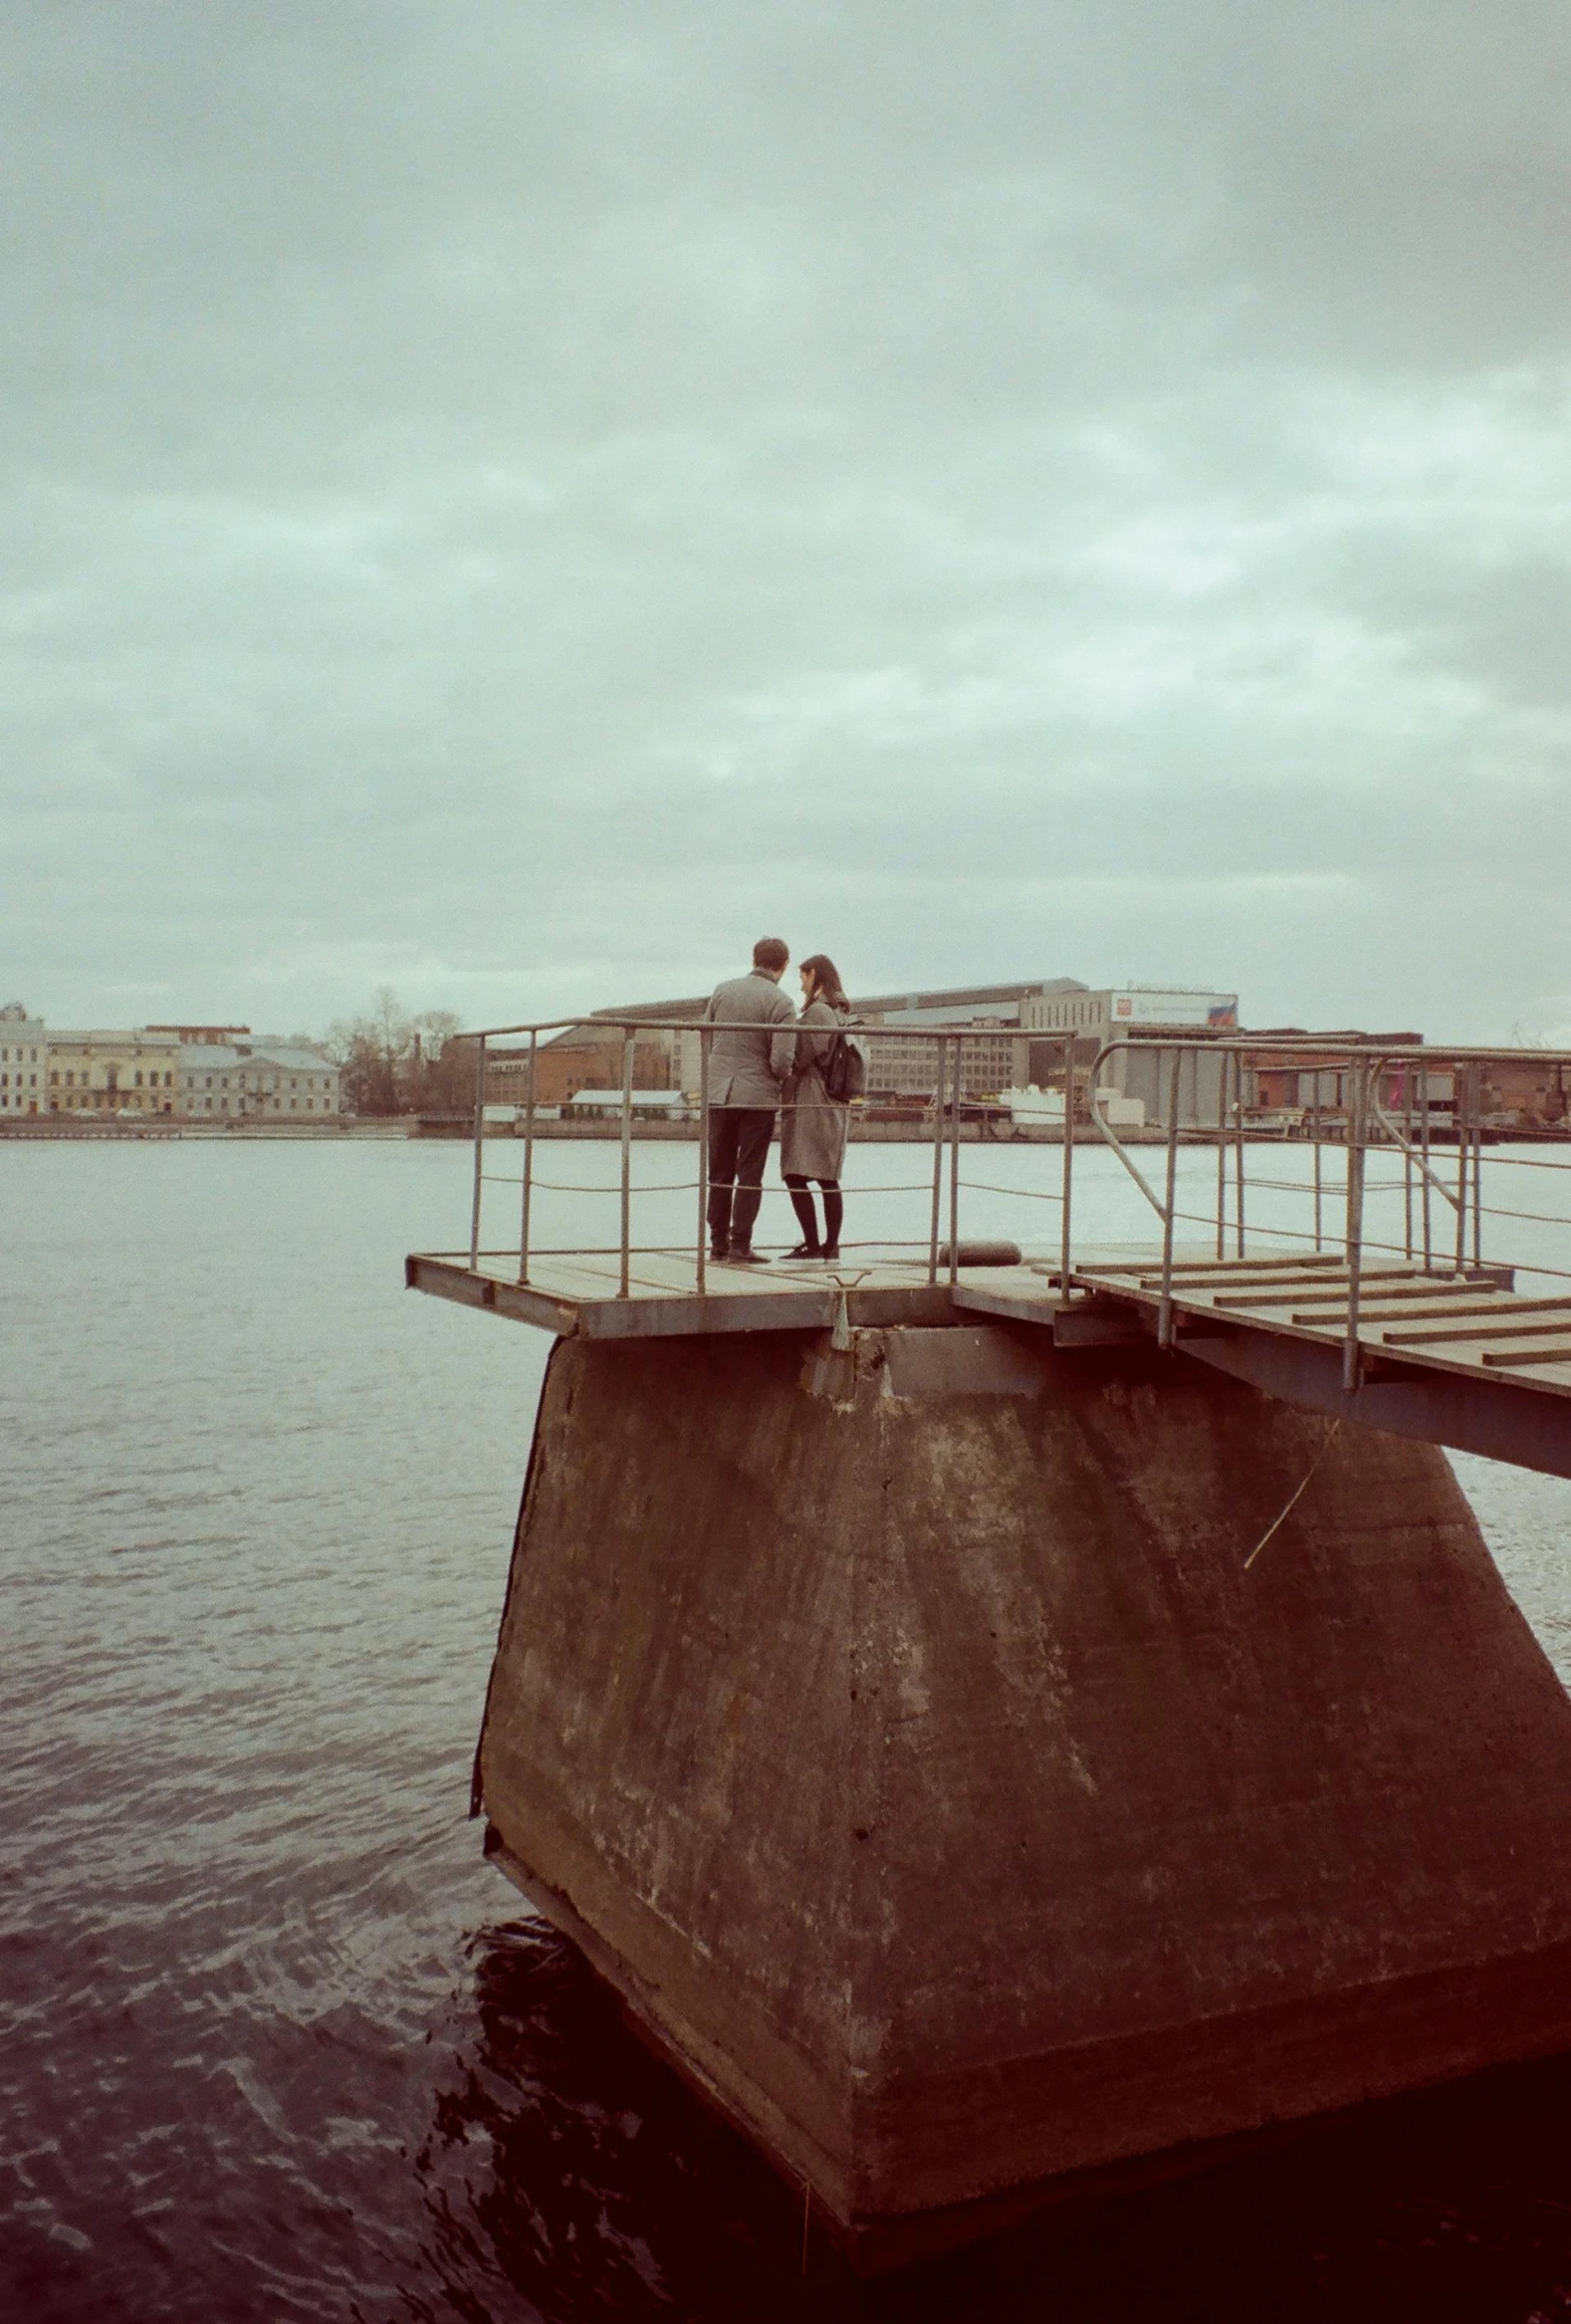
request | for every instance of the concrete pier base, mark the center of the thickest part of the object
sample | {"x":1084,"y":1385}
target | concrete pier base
{"x":895,"y":1724}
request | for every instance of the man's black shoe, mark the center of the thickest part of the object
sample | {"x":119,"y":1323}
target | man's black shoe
{"x":807,"y":1250}
{"x":741,"y":1254}
{"x":718,"y":1251}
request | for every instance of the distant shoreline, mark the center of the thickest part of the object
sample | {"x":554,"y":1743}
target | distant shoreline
{"x":47,"y":1130}
{"x":53,"y":1129}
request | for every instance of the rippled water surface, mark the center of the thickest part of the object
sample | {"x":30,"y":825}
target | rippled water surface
{"x":276,"y":2044}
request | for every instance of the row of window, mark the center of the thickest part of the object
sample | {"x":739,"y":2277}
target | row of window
{"x":295,"y":1105}
{"x":69,"y":1080}
{"x":30,"y":1058}
{"x":262,"y":1083}
{"x":1059,"y":1017}
{"x":908,"y":1052}
{"x":78,"y":1098}
{"x":126,"y":1097}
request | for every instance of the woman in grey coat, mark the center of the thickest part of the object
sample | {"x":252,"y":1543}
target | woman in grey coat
{"x":814,"y":1127}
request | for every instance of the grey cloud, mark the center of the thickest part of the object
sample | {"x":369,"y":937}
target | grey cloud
{"x":510,"y":501}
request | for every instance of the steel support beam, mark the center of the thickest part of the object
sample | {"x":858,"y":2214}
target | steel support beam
{"x":1493,"y":1418}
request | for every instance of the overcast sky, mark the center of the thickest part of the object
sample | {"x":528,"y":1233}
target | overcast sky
{"x":513,"y":500}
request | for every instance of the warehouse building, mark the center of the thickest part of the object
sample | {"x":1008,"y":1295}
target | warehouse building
{"x":997,"y":1054}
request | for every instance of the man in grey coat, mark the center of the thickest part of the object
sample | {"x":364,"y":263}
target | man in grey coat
{"x":747,"y":1065}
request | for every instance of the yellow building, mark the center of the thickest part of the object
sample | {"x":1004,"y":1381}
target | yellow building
{"x":115,"y":1073}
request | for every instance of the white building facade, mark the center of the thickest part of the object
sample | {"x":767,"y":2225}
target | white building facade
{"x":1134,"y":1022}
{"x":24,"y":1062}
{"x":256,"y":1081}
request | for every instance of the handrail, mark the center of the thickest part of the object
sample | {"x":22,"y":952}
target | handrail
{"x":1434,"y":1055}
{"x":1361,"y":1121}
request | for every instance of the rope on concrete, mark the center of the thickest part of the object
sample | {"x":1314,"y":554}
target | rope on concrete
{"x":1295,"y":1498}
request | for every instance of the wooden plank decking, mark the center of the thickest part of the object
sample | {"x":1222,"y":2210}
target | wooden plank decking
{"x":577,"y":1294}
{"x":1468,"y":1324}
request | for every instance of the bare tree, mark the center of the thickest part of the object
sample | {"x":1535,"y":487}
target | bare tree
{"x":443,"y":1067}
{"x":392,"y":1063}
{"x":373,"y":1053}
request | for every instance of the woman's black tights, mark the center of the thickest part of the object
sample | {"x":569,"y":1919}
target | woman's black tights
{"x":806,"y":1216}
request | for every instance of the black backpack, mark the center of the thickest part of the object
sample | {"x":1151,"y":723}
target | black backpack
{"x":845,"y":1068}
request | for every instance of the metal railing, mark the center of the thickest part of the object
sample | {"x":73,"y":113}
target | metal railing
{"x":1362,"y":1127}
{"x":946,"y":1107}
{"x":1385,"y":1107}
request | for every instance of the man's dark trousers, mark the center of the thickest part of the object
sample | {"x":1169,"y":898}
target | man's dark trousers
{"x":739,"y":1146}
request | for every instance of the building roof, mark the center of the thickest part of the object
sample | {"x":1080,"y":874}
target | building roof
{"x":114,"y":1032}
{"x":1344,"y":1040}
{"x":962,"y":1000}
{"x":647,"y":1011}
{"x":218,"y":1057}
{"x":216,"y":1033}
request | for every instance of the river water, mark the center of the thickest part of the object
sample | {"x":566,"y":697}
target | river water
{"x":273,"y":2042}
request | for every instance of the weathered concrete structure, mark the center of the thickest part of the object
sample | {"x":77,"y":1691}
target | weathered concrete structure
{"x":896,"y":1725}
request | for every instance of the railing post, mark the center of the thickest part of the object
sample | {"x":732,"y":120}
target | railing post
{"x":1353,"y":1231}
{"x":1318,"y":1190}
{"x":1459,"y":1108}
{"x":954,"y":1166}
{"x":529,"y":1160}
{"x":479,"y":1133}
{"x":1222,"y":1153}
{"x":1165,"y":1314}
{"x":703,"y":1160}
{"x":937,"y":1158}
{"x":1477,"y":1108}
{"x":628,"y":1041}
{"x":1065,"y":1248}
{"x":1407,"y":1162}
{"x":1237,"y":1148}
{"x":1425,"y":1214}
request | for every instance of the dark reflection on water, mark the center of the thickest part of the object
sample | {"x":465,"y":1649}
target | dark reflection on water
{"x":566,"y":2159}
{"x":275,"y":2045}
{"x":568,"y":2176}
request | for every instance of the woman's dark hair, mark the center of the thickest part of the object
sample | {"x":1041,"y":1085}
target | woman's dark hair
{"x":826,"y":985}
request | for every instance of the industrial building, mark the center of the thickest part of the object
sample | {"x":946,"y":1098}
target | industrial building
{"x":1132,"y":1021}
{"x":1003,"y":1056}
{"x":991,"y":1058}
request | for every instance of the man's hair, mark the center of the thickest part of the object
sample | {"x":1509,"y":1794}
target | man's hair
{"x":770,"y":953}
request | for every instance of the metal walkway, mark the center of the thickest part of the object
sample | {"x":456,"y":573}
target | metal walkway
{"x":1460,"y":1360}
{"x":1472,"y":1324}
{"x":1393,"y":1316}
